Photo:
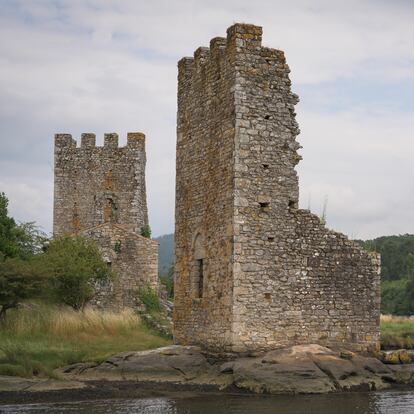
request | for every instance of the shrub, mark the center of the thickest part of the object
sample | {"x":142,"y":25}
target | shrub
{"x":74,"y":265}
{"x":146,"y":231}
{"x":150,"y":299}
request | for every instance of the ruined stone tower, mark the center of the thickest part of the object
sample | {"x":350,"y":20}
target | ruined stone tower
{"x":254,"y":272}
{"x":100,"y":193}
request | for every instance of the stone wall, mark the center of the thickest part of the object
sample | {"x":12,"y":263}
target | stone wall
{"x":100,"y":194}
{"x":272,"y":274}
{"x":204,"y":196}
{"x":133,"y":259}
{"x":94,"y":184}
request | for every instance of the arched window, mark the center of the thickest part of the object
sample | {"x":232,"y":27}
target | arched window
{"x":198,"y":267}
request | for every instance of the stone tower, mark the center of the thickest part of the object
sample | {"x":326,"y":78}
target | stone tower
{"x":94,"y":184}
{"x":254,"y":272}
{"x":100,"y":193}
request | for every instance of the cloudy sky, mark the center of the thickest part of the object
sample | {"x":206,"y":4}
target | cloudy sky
{"x":101,"y":66}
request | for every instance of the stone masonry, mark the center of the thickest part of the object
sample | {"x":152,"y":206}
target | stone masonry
{"x":254,"y":272}
{"x":100,"y":194}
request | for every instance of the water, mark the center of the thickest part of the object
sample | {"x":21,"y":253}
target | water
{"x":393,"y":402}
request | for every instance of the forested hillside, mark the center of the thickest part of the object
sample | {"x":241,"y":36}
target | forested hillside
{"x":165,"y":253}
{"x":397,"y":272}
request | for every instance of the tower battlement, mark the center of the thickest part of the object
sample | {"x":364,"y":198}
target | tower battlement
{"x":88,"y":140}
{"x":96,"y":184}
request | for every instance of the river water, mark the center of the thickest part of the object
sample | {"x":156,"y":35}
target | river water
{"x":391,"y":402}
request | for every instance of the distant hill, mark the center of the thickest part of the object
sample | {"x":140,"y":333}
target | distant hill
{"x":166,"y":252}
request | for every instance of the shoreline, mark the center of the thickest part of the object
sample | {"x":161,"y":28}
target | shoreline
{"x":110,"y":390}
{"x":176,"y":369}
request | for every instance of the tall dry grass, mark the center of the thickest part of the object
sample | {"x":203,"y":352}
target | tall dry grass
{"x":39,"y":338}
{"x":66,"y":322}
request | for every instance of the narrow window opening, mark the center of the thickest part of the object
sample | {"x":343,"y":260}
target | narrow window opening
{"x":110,"y":211}
{"x":265,"y":166}
{"x":200,"y":278}
{"x":292,"y":204}
{"x":109,"y":265}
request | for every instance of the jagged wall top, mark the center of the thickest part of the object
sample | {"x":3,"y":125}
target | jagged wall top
{"x":88,"y":140}
{"x":240,"y":36}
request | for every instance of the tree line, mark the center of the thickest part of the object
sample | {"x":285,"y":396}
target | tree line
{"x":397,"y":272}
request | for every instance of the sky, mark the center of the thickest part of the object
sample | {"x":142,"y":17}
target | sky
{"x":111,"y":66}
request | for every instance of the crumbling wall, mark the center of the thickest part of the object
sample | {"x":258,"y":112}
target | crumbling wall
{"x":133,"y":259}
{"x":292,"y":281}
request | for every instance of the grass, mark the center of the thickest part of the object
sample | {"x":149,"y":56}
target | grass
{"x":38,"y":339}
{"x":397,"y":332}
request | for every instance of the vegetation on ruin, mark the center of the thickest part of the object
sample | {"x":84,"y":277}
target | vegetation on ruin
{"x":397,"y":332}
{"x":37,"y":338}
{"x":149,"y":297}
{"x":146,"y":231}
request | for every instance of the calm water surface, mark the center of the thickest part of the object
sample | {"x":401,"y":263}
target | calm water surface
{"x":395,"y":402}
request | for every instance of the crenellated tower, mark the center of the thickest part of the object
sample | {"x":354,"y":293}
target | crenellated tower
{"x":95,"y":185}
{"x":100,"y":194}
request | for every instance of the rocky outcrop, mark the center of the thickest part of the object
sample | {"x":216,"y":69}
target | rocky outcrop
{"x":16,"y":384}
{"x":297,"y":369}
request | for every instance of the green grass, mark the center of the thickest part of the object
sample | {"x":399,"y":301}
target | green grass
{"x":35,"y":341}
{"x":397,"y":332}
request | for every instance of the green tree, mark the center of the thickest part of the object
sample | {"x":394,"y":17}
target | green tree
{"x":9,"y":246}
{"x":397,"y":297}
{"x":30,"y":239}
{"x":74,"y":265}
{"x":18,"y":240}
{"x":19,"y":280}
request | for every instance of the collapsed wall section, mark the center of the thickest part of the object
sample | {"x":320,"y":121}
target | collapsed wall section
{"x":133,"y":260}
{"x":294,"y":281}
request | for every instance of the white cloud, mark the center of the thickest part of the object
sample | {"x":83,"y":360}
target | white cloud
{"x":101,"y":66}
{"x":362,"y":162}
